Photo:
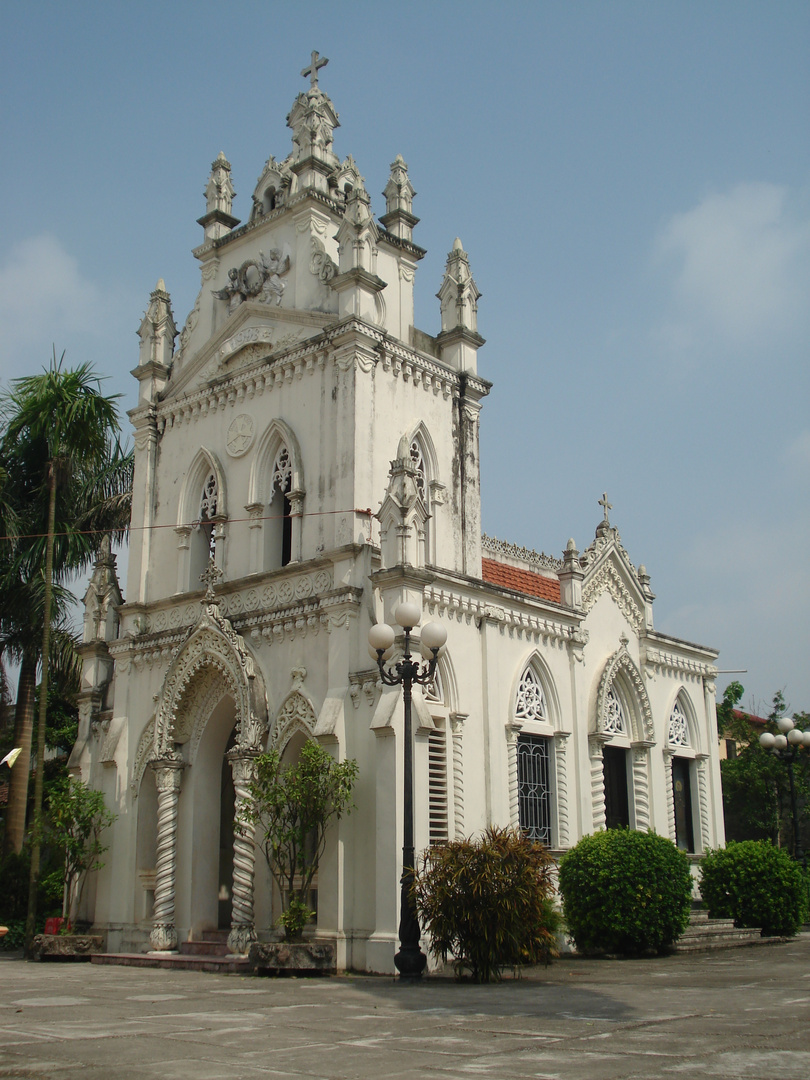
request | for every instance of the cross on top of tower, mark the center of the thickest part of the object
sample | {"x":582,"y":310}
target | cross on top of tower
{"x":603,"y":502}
{"x":313,"y":69}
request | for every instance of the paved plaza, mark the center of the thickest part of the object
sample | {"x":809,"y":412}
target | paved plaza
{"x":734,"y":1013}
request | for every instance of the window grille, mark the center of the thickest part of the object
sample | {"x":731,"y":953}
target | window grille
{"x":208,"y":509}
{"x":531,"y":701}
{"x":282,"y":470}
{"x":534,"y":795}
{"x":437,"y":786}
{"x":678,"y":727}
{"x":614,"y":714}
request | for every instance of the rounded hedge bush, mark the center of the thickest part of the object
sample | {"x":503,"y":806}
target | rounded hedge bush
{"x":625,"y":892}
{"x":755,"y":884}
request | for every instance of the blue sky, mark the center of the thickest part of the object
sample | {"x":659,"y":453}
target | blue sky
{"x":632,"y":184}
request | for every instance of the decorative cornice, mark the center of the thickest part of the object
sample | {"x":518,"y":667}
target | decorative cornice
{"x":659,"y":662}
{"x":254,"y":379}
{"x":449,"y":604}
{"x":533,"y":559}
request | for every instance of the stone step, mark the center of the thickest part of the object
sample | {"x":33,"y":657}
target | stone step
{"x":222,"y":965}
{"x":206,"y":947}
{"x":709,"y":944}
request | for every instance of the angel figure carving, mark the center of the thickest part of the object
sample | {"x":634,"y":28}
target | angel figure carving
{"x":232,"y":291}
{"x":273,"y":266}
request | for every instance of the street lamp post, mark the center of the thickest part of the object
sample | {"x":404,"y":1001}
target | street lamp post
{"x":410,"y":960}
{"x":786,"y":746}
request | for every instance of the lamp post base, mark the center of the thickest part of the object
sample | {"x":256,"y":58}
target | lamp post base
{"x":410,"y":962}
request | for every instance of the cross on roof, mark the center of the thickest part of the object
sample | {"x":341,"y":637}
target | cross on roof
{"x":314,"y":67}
{"x":603,"y":502}
{"x":211,"y":576}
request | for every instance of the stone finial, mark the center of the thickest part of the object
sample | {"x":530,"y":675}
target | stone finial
{"x":571,"y":576}
{"x":102,"y":598}
{"x":218,"y":218}
{"x":399,"y":193}
{"x":219,"y":190}
{"x":458,"y":293}
{"x":157,"y":330}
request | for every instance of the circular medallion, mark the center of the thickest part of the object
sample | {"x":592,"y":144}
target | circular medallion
{"x":240,"y":435}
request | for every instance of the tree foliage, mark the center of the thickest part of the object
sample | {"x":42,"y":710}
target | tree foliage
{"x":75,"y":820}
{"x":488,"y":902}
{"x":625,"y":892}
{"x":292,"y":806}
{"x":756,"y":885}
{"x":58,"y":431}
{"x":756,"y":789}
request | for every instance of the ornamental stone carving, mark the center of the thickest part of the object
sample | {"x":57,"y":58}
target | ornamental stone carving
{"x":256,"y":279}
{"x":321,"y":264}
{"x":622,"y":663}
{"x":295,"y":714}
{"x":241,"y":432}
{"x":212,"y":643}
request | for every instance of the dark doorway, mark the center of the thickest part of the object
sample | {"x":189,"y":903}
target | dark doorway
{"x":682,"y":793}
{"x":227,"y":805}
{"x":617,"y":804}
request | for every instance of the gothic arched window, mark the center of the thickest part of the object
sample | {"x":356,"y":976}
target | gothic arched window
{"x":209,"y":498}
{"x":279,"y":534}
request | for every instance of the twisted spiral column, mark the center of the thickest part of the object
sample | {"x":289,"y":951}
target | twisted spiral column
{"x":561,"y":773}
{"x":703,"y":800}
{"x":595,"y":747}
{"x":641,"y":789}
{"x":512,"y":732}
{"x":243,"y":930}
{"x":668,"y":756}
{"x":457,"y":733}
{"x":168,"y":774}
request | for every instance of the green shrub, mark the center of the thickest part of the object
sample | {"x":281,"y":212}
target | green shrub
{"x":755,"y":884}
{"x":625,"y":892}
{"x":488,"y":902}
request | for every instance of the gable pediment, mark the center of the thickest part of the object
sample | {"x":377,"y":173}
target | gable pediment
{"x":251,"y":335}
{"x":608,"y":569}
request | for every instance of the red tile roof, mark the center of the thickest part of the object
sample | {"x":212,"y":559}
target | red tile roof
{"x":523,"y":581}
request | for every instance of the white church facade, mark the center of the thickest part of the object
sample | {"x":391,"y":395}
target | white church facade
{"x":315,"y":457}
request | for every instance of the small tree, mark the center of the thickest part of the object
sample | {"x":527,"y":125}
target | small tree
{"x":488,"y":902}
{"x":292,"y":806}
{"x":76,"y":819}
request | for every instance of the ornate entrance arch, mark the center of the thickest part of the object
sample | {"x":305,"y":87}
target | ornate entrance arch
{"x":213,"y":660}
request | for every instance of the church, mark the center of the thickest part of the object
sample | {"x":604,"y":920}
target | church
{"x":306,"y":459}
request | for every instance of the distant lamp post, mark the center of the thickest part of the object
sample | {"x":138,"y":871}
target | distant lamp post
{"x":786,"y":746}
{"x":410,"y":960}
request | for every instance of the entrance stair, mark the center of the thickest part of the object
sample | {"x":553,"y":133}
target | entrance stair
{"x":704,"y":934}
{"x":207,"y":954}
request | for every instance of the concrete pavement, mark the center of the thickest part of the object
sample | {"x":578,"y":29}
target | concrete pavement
{"x":735,"y":1013}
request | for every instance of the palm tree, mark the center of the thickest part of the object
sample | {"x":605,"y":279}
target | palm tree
{"x":61,"y":417}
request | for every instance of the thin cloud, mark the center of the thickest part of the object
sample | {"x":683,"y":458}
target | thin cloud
{"x":740,"y":265}
{"x":45,"y":299}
